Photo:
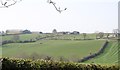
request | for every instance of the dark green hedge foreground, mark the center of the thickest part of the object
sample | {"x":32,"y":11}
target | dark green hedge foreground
{"x":27,"y":64}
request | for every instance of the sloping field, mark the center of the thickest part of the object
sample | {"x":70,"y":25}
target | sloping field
{"x":55,"y":48}
{"x":109,"y":56}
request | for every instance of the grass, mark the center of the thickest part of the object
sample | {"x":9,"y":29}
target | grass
{"x":69,"y":49}
{"x":110,"y":55}
{"x":56,"y":48}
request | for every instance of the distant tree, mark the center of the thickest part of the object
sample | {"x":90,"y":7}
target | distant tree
{"x":54,"y":31}
{"x":108,"y":34}
{"x":7,"y":31}
{"x":84,"y":35}
{"x":101,"y":34}
{"x":26,"y":32}
{"x":116,"y":32}
{"x":3,"y":33}
{"x":40,"y":32}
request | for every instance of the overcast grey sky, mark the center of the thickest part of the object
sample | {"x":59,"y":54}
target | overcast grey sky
{"x":81,"y":15}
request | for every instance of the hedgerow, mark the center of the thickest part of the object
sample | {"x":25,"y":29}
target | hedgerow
{"x":95,"y":54}
{"x":40,"y":64}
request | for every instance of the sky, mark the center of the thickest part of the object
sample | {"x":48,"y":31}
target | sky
{"x":81,"y":15}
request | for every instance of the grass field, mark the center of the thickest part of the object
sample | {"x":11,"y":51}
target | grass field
{"x":110,"y":55}
{"x":56,"y":48}
{"x":69,"y":49}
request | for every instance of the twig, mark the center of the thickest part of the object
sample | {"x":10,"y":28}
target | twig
{"x":5,"y":4}
{"x":58,"y":9}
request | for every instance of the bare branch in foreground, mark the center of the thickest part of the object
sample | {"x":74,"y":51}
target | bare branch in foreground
{"x":6,"y":5}
{"x":54,"y":4}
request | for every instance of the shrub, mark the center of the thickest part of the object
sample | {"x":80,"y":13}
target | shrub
{"x":27,"y":64}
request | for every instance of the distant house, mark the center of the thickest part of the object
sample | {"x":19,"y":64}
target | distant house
{"x":67,"y":32}
{"x":14,"y":31}
{"x":75,"y":32}
{"x":60,"y":33}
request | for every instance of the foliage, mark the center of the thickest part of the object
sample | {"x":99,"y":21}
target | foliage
{"x":26,"y":32}
{"x":17,"y":41}
{"x":54,"y":31}
{"x":23,"y":64}
{"x":100,"y":35}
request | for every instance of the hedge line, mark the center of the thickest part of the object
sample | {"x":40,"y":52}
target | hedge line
{"x":10,"y":41}
{"x":27,"y":64}
{"x":95,"y":54}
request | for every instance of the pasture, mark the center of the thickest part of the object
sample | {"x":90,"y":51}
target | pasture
{"x":68,"y":47}
{"x":110,"y":55}
{"x":55,"y":48}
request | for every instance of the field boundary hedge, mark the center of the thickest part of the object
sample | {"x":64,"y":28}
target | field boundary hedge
{"x":40,"y":64}
{"x":10,"y":41}
{"x":95,"y":54}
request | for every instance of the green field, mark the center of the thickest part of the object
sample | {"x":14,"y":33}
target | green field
{"x":56,"y":48}
{"x":109,"y":56}
{"x":69,"y":47}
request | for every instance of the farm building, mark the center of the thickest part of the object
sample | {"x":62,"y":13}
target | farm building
{"x":14,"y":31}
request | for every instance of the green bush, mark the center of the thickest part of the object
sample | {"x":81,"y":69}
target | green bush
{"x":27,"y":64}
